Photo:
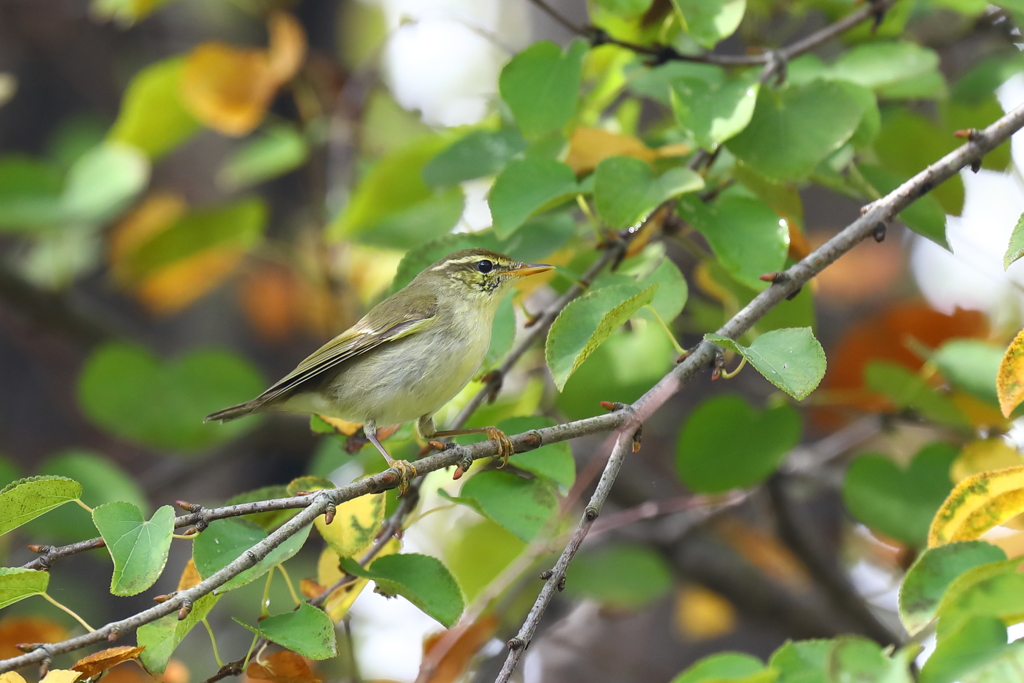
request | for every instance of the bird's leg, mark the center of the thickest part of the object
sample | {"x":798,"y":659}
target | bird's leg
{"x":428,"y":432}
{"x":406,"y":471}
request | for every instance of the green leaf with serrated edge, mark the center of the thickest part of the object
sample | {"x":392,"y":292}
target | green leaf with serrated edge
{"x":276,"y":150}
{"x":721,"y":667}
{"x":932,"y":573}
{"x":979,"y":641}
{"x":1000,"y":596}
{"x":709,"y":21}
{"x":525,"y":187}
{"x":26,"y":499}
{"x":480,"y":153}
{"x":541,"y":84}
{"x":966,"y":581}
{"x":794,"y":128}
{"x":421,"y":579}
{"x":153,"y":116}
{"x":17,"y":584}
{"x":138,"y":547}
{"x":626,"y":189}
{"x":306,"y":631}
{"x":748,"y":238}
{"x":225,"y":540}
{"x":552,"y":461}
{"x":725,"y":444}
{"x":586,"y":322}
{"x":625,"y":576}
{"x":900,"y":502}
{"x":970,"y":365}
{"x":161,"y":637}
{"x":1016,"y":247}
{"x":520,"y":505}
{"x":791,"y":359}
{"x":908,"y":390}
{"x":713,"y":112}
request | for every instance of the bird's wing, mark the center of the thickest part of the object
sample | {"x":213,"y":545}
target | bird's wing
{"x":367,"y":334}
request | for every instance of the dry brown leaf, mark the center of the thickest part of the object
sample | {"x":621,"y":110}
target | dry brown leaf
{"x":282,"y":667}
{"x":1010,"y":380}
{"x":173,"y":288}
{"x":455,"y":660}
{"x":98,"y":662}
{"x":189,"y":576}
{"x":702,"y":614}
{"x":287,"y":46}
{"x":15,"y":630}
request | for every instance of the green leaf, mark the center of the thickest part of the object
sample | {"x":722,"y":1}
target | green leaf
{"x":656,"y":82}
{"x":627,"y":9}
{"x":161,"y":637}
{"x":796,"y":127}
{"x":124,"y":12}
{"x":525,"y":187}
{"x":748,"y":238}
{"x":709,"y":21}
{"x":102,"y":182}
{"x":520,"y":505}
{"x":1015,"y":249}
{"x":625,"y":189}
{"x":306,"y":631}
{"x":801,"y":661}
{"x":26,"y":499}
{"x":480,"y":153}
{"x":713,"y":112}
{"x":879,"y":64}
{"x":280,"y":148}
{"x":477,"y":553}
{"x":722,"y":667}
{"x":925,"y":216}
{"x":725,"y":444}
{"x":854,"y":659}
{"x":900,"y":502}
{"x":979,"y":641}
{"x":153,"y":116}
{"x":552,"y":461}
{"x":1000,"y":596}
{"x":908,"y":390}
{"x":17,"y":584}
{"x":270,"y":520}
{"x":29,"y":194}
{"x":541,"y":84}
{"x":933,"y":571}
{"x":909,"y":142}
{"x":133,"y":395}
{"x":225,"y":540}
{"x":791,"y":359}
{"x":622,"y":576}
{"x":421,"y":579}
{"x":971,"y":365}
{"x":238,"y":224}
{"x":102,"y":480}
{"x":1006,"y":666}
{"x":503,"y":332}
{"x":138,"y":548}
{"x":393,"y":200}
{"x":586,"y":322}
{"x":981,"y":81}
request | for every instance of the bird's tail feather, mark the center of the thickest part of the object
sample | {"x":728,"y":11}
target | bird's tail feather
{"x":234,"y":412}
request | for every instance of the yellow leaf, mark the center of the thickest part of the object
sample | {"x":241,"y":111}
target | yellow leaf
{"x":287,"y":46}
{"x":189,"y":576}
{"x":354,"y":526}
{"x":155,"y":214}
{"x":11,"y":677}
{"x":98,"y":662}
{"x":977,"y":504}
{"x":983,"y":455}
{"x":61,"y":676}
{"x":702,"y":614}
{"x":173,"y":288}
{"x":342,"y":426}
{"x":1010,"y":380}
{"x":590,"y":146}
{"x":226,"y":88}
{"x":982,"y":415}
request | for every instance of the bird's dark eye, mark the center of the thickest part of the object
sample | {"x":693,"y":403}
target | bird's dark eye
{"x":484,"y":266}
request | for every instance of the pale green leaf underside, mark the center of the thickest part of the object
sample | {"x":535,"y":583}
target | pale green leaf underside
{"x":791,"y":359}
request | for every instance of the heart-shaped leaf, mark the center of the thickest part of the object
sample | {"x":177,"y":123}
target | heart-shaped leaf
{"x":307,"y":631}
{"x":26,"y":499}
{"x":625,"y":189}
{"x":525,"y":187}
{"x":586,"y":322}
{"x":421,"y":579}
{"x":900,"y":502}
{"x":791,"y":359}
{"x":713,"y":111}
{"x":138,"y":548}
{"x":540,"y":85}
{"x":17,"y":584}
{"x":135,"y":396}
{"x":794,"y":128}
{"x":726,"y":444}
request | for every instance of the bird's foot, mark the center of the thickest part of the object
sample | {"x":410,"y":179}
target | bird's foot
{"x":505,"y":448}
{"x":406,"y":473}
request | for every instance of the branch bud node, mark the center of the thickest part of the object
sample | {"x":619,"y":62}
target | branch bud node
{"x":546,"y":574}
{"x":591,"y":513}
{"x":186,"y":607}
{"x":329,"y":513}
{"x":516,"y":644}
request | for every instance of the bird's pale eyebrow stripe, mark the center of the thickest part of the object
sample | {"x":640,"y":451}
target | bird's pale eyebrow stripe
{"x":453,"y":262}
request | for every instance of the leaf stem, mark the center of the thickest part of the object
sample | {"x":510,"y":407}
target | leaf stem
{"x":291,"y":586}
{"x":213,"y":643}
{"x":730,"y":375}
{"x":581,"y":201}
{"x":679,"y":349}
{"x":84,"y":506}
{"x":265,"y":601}
{"x":77,"y":618}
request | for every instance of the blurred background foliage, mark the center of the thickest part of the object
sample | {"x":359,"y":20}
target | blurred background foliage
{"x":196,"y":193}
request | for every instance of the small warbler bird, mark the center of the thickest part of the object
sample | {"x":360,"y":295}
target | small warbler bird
{"x":407,"y":357}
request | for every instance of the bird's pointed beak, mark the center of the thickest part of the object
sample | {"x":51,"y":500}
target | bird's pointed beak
{"x":530,"y":269}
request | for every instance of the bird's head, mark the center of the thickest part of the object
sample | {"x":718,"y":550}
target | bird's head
{"x":480,"y":273}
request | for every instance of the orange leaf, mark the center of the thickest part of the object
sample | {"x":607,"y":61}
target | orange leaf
{"x":457,"y":655}
{"x":98,"y":662}
{"x":14,"y":630}
{"x":189,"y":576}
{"x":310,"y":588}
{"x":287,"y":46}
{"x":156,"y":213}
{"x":1010,"y":380}
{"x":702,"y":614}
{"x":282,"y":667}
{"x":173,"y":288}
{"x":226,"y":88}
{"x":271,"y":297}
{"x":766,"y":553}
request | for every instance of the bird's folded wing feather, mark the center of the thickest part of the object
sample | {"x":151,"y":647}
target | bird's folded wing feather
{"x":378,"y":327}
